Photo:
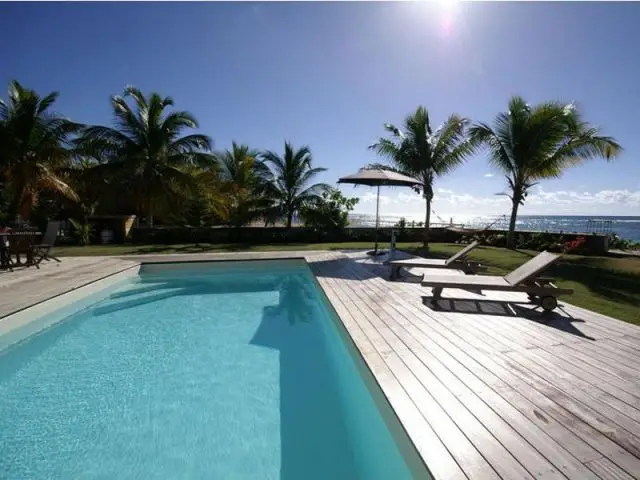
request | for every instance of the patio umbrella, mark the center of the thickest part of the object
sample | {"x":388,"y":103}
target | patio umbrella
{"x":379,"y":178}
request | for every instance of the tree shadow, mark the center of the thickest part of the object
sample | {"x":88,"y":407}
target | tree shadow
{"x":162,"y":290}
{"x":314,"y":439}
{"x":342,"y":268}
{"x":501,"y":308}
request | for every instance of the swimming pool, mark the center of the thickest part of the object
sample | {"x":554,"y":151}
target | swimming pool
{"x":233,"y":370}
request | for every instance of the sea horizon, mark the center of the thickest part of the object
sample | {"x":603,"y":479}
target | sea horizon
{"x":625,"y":226}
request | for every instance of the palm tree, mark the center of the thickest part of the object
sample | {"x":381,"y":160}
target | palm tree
{"x":145,"y":151}
{"x":292,"y":174}
{"x":424,"y":154}
{"x":34,"y":142}
{"x":531,"y":143}
{"x":241,"y":184}
{"x":88,"y":183}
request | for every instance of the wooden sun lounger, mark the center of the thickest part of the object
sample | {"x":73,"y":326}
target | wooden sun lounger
{"x":526,"y":278}
{"x":457,"y":262}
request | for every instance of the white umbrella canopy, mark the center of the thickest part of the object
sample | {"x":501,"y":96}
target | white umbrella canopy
{"x":379,"y":177}
{"x":375,"y":177}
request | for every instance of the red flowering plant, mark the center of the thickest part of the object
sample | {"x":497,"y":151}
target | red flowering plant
{"x":574,"y":246}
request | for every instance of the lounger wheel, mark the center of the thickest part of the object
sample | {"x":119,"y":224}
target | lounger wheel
{"x":548,"y":303}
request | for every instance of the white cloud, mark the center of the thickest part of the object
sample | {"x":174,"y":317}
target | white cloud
{"x":488,"y":175}
{"x":371,"y":197}
{"x":449,"y":203}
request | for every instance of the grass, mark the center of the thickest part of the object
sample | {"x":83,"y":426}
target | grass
{"x":604,"y":284}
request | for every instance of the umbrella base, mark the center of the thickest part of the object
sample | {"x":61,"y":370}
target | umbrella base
{"x":376,"y":253}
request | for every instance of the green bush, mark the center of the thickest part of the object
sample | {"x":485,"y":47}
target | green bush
{"x":330,"y":212}
{"x":618,"y":243}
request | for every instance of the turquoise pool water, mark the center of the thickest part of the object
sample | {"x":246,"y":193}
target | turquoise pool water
{"x":205,"y":373}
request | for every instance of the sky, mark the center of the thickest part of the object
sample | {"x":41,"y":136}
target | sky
{"x":329,"y":75}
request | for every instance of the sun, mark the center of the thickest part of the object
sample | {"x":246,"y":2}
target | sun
{"x":449,"y":10}
{"x":448,"y":5}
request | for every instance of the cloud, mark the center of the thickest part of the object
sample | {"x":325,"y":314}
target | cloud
{"x":488,"y":175}
{"x":371,"y":197}
{"x":451,"y":203}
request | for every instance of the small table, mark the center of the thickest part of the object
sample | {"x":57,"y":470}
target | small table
{"x":17,"y":243}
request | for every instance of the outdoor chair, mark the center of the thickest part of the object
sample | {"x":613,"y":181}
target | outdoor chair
{"x":456,"y":262}
{"x":42,"y":250}
{"x":526,"y":278}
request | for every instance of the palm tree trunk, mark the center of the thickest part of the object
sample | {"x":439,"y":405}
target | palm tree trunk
{"x":16,"y":202}
{"x":427,"y":221}
{"x":289,"y":220}
{"x":150,"y":214}
{"x":511,"y":235}
{"x":85,"y":222}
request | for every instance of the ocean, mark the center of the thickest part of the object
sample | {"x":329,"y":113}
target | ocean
{"x":623,"y":226}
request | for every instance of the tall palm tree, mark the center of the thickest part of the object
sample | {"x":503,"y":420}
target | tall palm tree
{"x":88,"y":183}
{"x":146,"y":150}
{"x":424,"y":154}
{"x":242,"y":179}
{"x":292,"y":174}
{"x":532,"y":143}
{"x":34,"y":142}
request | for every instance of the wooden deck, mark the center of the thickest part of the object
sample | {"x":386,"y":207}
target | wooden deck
{"x":484,"y":389}
{"x":489,"y":391}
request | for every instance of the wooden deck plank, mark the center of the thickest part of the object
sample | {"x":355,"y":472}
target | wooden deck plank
{"x":434,"y":452}
{"x":610,"y":325}
{"x":577,"y":476}
{"x":614,"y":343}
{"x":581,"y":445}
{"x":512,"y":429}
{"x":607,"y":378}
{"x":623,"y":363}
{"x":593,"y":396}
{"x":610,"y":383}
{"x":514,"y":409}
{"x":472,"y":461}
{"x":583,"y":429}
{"x":504,"y":381}
{"x":607,"y":470}
{"x":628,"y":341}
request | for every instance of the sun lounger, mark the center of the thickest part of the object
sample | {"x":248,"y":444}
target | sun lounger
{"x":526,"y":278}
{"x":42,"y":250}
{"x":457,"y":262}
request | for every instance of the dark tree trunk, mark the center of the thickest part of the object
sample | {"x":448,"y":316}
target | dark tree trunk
{"x":16,"y":203}
{"x":427,"y":221}
{"x":150,"y":214}
{"x":511,"y":235}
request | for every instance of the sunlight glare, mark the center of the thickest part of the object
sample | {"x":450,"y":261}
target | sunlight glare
{"x":449,"y":10}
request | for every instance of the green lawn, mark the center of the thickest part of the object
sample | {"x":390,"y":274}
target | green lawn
{"x":609,"y":285}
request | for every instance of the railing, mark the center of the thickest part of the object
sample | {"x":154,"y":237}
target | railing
{"x":599,"y":226}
